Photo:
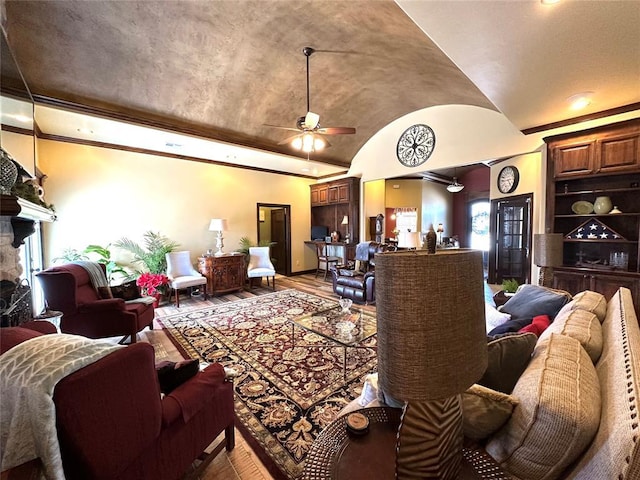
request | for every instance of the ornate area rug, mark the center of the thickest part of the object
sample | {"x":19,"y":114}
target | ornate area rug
{"x":290,"y":382}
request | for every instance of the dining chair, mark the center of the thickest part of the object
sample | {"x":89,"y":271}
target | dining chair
{"x":182,"y":274}
{"x":323,"y":257}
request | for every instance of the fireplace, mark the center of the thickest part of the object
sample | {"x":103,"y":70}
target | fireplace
{"x":17,"y":221}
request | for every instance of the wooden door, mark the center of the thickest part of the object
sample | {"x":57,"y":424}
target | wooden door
{"x":511,"y":227}
{"x":279,"y":236}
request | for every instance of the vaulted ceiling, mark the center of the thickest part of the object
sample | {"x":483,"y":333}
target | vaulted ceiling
{"x":223,"y":69}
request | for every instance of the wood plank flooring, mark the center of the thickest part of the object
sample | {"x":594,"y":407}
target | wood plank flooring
{"x":241,"y":463}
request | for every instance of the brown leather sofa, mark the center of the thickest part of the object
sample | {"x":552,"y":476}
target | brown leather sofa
{"x":359,"y":285}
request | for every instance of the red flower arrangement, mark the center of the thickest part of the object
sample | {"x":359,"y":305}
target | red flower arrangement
{"x":152,"y":283}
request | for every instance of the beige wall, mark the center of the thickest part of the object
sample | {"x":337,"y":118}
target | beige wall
{"x":101,"y":195}
{"x":21,"y":149}
{"x":372,"y":202}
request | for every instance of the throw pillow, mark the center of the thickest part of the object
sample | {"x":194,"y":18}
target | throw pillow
{"x":532,"y":300}
{"x":582,"y":325}
{"x":512,"y":325}
{"x":507,"y":356}
{"x":171,"y":374}
{"x":493,"y":317}
{"x":558,"y":412}
{"x":104,"y":292}
{"x":537,"y":326}
{"x":484,"y":411}
{"x":590,"y":302}
{"x":126,"y":291}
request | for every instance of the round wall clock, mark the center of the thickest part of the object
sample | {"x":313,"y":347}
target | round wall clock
{"x":415,"y":145}
{"x":508,"y":179}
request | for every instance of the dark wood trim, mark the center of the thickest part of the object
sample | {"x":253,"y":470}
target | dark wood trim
{"x":124,"y":148}
{"x":149,"y":120}
{"x":18,"y":130}
{"x":591,"y":116}
{"x":592,"y":131}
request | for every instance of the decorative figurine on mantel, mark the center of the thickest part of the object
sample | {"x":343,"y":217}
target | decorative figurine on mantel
{"x":431,"y":239}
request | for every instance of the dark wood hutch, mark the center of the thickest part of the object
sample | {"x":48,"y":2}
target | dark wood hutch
{"x":331,"y":201}
{"x":582,"y":166}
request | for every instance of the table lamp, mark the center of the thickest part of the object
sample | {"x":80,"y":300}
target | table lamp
{"x":440,"y":229}
{"x":218,"y":225}
{"x":409,"y":240}
{"x":345,"y":222}
{"x":431,"y":347}
{"x":547,"y":253}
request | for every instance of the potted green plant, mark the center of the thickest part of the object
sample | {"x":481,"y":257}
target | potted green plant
{"x":103,"y":255}
{"x":509,"y":286}
{"x":151,"y":256}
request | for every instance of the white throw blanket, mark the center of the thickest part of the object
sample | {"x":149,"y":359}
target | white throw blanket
{"x":29,"y":373}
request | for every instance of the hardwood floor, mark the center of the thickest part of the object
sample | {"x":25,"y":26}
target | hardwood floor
{"x":241,"y":463}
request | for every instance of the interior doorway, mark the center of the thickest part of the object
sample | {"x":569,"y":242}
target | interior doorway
{"x":511,"y":233}
{"x":274,"y":225}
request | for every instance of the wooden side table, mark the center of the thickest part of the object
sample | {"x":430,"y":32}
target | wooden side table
{"x":225,"y":273}
{"x":338,"y":454}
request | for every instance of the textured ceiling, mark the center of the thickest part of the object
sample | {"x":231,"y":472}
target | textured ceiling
{"x":227,"y":67}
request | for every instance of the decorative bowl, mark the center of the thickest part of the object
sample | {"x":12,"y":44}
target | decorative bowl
{"x":345,"y":303}
{"x":582,"y":207}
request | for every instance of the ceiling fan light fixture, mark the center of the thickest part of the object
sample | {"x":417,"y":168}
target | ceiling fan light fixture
{"x":297,"y":143}
{"x":455,"y":187}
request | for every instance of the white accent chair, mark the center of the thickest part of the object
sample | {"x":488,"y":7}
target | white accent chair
{"x":260,"y":265}
{"x":182,"y":274}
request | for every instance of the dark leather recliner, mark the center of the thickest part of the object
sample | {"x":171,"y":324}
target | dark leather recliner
{"x":359,"y":285}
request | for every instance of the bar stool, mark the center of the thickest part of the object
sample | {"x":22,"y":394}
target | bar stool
{"x":321,"y":252}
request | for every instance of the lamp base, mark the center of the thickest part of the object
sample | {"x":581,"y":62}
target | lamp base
{"x":429,"y":443}
{"x":219,"y":245}
{"x":545,"y":278}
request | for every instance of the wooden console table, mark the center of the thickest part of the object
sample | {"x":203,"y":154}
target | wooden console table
{"x":225,"y":273}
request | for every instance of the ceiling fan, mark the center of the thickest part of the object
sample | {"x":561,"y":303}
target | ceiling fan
{"x":310,"y":136}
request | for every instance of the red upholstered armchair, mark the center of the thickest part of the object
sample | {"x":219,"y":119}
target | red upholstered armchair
{"x":68,"y":288}
{"x":112,"y":423}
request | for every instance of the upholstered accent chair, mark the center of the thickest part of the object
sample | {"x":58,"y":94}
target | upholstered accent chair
{"x":68,"y":289}
{"x":359,"y":284}
{"x":260,"y":265}
{"x":182,"y":274}
{"x":113,"y":423}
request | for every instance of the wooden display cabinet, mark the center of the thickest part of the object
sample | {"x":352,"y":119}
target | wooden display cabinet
{"x":582,"y":166}
{"x":225,"y":273}
{"x":331,"y":201}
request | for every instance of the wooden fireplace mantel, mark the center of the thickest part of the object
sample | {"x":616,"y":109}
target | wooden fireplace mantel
{"x":12,"y":206}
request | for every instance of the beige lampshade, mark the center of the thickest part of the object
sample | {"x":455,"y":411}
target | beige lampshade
{"x":218,"y":225}
{"x":408,"y":240}
{"x":547,"y":249}
{"x":431,"y":324}
{"x":345,"y":220}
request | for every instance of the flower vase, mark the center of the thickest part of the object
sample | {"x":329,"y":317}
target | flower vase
{"x":158,"y":298}
{"x":602,"y":205}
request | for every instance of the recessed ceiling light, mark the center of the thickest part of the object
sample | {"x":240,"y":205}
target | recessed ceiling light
{"x":580,"y":100}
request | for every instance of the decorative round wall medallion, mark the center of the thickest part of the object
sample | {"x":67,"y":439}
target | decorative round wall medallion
{"x":415,"y":145}
{"x":508,"y":179}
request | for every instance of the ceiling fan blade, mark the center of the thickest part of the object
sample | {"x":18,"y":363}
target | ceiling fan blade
{"x":311,"y":120}
{"x":337,"y":130}
{"x":281,"y":128}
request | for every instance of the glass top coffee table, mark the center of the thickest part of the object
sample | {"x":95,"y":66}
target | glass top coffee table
{"x":347,"y":328}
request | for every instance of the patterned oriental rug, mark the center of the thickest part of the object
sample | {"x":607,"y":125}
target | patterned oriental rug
{"x":285,"y":394}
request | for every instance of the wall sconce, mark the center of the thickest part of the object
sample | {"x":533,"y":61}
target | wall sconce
{"x":218,"y":225}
